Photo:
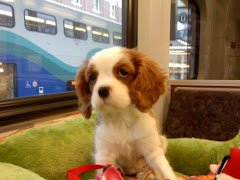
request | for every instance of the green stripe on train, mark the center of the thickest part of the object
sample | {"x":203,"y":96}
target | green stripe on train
{"x":15,"y":41}
{"x":11,"y":43}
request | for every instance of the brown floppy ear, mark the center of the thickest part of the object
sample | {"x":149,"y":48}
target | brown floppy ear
{"x":148,"y":83}
{"x":83,"y":92}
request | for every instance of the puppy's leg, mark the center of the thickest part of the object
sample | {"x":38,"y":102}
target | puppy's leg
{"x":157,"y":174}
{"x":154,"y":155}
{"x":143,"y":171}
{"x":163,"y":142}
{"x":104,"y":158}
{"x":156,"y":159}
{"x":104,"y":154}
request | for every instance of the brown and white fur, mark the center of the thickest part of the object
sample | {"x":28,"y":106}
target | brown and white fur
{"x":122,"y":85}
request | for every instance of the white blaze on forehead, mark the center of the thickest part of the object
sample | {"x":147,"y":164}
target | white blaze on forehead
{"x":105,"y":60}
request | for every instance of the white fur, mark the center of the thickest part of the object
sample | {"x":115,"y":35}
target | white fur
{"x":214,"y":168}
{"x":223,"y":176}
{"x":124,"y":133}
{"x":104,"y":62}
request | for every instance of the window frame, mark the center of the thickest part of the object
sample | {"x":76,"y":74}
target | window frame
{"x":103,"y":30}
{"x":74,"y":2}
{"x":96,"y":3}
{"x":190,"y":4}
{"x":197,"y":48}
{"x":115,"y":33}
{"x":14,"y":22}
{"x":113,"y":12}
{"x":74,"y":30}
{"x":43,"y":14}
{"x":22,"y":109}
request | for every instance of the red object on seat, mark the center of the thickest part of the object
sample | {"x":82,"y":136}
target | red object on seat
{"x":110,"y":173}
{"x":232,"y":167}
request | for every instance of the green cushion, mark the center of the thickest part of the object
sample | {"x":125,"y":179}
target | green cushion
{"x":12,"y":172}
{"x":52,"y":150}
{"x":193,"y":156}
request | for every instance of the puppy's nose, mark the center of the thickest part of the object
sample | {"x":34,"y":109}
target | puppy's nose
{"x":103,"y":92}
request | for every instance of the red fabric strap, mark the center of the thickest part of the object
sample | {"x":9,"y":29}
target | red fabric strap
{"x":72,"y":174}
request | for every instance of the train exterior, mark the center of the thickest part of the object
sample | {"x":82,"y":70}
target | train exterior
{"x":42,"y":48}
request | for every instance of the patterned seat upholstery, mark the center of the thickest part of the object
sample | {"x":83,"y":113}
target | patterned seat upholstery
{"x":213,"y":115}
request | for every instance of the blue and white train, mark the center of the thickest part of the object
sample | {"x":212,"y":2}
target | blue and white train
{"x":43,"y":43}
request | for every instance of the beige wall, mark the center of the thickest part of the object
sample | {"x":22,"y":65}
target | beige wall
{"x":219,"y":27}
{"x":154,"y":37}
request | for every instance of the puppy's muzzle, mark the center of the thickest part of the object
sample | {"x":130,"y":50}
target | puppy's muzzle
{"x":103,"y":92}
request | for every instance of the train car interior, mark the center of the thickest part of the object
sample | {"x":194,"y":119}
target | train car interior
{"x":44,"y":133}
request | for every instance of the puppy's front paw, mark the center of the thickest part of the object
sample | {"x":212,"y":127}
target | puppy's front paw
{"x":145,"y":174}
{"x":172,"y":178}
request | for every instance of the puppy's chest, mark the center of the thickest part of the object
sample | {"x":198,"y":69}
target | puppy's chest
{"x":125,"y":130}
{"x":115,"y":133}
{"x":119,"y":139}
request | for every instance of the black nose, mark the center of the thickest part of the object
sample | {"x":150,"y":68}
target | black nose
{"x":103,"y":92}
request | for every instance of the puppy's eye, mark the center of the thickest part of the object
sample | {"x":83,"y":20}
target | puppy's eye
{"x":123,"y":73}
{"x":92,"y":77}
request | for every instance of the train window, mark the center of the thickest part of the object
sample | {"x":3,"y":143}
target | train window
{"x":6,"y":16}
{"x":74,"y":29}
{"x":184,"y":42}
{"x":40,"y":22}
{"x":100,"y":35}
{"x":205,"y":40}
{"x":40,"y":68}
{"x":117,"y":39}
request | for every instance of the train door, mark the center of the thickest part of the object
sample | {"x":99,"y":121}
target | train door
{"x":205,"y":40}
{"x":184,"y":39}
{"x":7,"y":81}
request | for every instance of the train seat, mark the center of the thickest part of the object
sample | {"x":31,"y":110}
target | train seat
{"x":205,"y":114}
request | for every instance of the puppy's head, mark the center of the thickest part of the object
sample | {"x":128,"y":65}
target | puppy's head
{"x":117,"y":77}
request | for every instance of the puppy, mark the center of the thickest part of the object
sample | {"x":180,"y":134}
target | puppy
{"x":122,"y":85}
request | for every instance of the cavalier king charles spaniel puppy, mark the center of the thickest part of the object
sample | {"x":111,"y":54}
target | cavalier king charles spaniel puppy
{"x":122,"y":85}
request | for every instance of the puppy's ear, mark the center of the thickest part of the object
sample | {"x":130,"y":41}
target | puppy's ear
{"x":148,"y":83}
{"x":83,"y":92}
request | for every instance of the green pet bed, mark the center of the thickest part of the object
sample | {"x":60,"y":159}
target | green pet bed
{"x":52,"y":150}
{"x":12,"y":172}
